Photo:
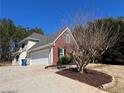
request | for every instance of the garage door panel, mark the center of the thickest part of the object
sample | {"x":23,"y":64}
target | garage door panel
{"x":40,"y":57}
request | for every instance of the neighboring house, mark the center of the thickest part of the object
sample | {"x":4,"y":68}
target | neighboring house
{"x":40,"y":49}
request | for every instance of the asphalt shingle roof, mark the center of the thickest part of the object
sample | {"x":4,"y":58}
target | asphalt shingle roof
{"x":45,"y":39}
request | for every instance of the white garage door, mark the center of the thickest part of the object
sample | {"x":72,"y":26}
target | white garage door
{"x":40,"y":57}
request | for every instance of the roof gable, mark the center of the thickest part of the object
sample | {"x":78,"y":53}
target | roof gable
{"x":63,"y":32}
{"x":48,"y":40}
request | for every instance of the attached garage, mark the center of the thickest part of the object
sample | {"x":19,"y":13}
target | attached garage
{"x":40,"y":56}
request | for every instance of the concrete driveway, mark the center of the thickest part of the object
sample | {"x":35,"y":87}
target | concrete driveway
{"x":36,"y":79}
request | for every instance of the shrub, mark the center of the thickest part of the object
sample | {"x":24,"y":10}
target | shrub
{"x":63,"y":60}
{"x":71,"y":58}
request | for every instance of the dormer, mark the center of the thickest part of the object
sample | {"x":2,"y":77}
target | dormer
{"x":29,"y":42}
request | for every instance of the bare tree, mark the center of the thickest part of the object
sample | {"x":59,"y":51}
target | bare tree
{"x":93,"y":41}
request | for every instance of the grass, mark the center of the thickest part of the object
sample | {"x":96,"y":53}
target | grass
{"x":114,"y":70}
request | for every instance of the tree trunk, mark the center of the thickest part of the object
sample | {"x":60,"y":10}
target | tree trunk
{"x":80,"y":64}
{"x":83,"y":67}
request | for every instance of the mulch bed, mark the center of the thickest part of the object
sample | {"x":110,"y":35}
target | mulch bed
{"x":92,"y":77}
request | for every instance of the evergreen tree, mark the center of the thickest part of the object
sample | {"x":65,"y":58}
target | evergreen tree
{"x":10,"y":35}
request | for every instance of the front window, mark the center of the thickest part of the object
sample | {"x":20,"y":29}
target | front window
{"x":61,"y":52}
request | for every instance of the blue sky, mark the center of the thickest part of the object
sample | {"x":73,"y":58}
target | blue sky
{"x":51,"y":15}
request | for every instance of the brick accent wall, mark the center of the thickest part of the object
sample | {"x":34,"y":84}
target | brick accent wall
{"x":60,"y":44}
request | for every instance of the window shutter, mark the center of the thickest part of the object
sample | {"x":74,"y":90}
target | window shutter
{"x":64,"y":52}
{"x":58,"y":52}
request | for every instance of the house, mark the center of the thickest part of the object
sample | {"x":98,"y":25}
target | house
{"x":40,"y":49}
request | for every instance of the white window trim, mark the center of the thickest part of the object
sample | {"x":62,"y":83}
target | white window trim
{"x":62,"y":53}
